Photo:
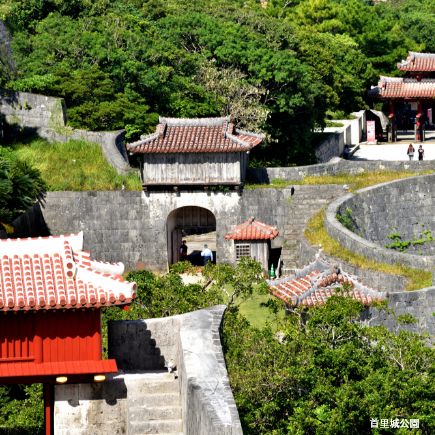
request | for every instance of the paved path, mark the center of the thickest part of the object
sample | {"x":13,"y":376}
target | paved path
{"x":393,"y":151}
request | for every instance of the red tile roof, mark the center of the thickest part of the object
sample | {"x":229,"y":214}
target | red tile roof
{"x":418,"y":62}
{"x":395,"y":87}
{"x":54,"y":272}
{"x":199,"y":135}
{"x":252,"y":230}
{"x":313,"y":287}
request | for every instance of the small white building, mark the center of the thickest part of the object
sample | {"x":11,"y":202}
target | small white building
{"x":199,"y":152}
{"x":252,"y":239}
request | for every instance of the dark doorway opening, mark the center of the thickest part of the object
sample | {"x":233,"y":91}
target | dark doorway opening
{"x":195,"y":225}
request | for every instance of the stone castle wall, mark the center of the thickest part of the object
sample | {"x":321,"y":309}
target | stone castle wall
{"x":131,"y":226}
{"x":419,"y":303}
{"x":402,"y":206}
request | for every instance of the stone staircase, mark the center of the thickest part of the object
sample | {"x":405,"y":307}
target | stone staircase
{"x":306,"y":201}
{"x":153,"y":403}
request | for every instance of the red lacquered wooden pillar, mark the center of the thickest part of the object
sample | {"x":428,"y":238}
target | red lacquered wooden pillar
{"x":49,"y":409}
{"x":419,"y":123}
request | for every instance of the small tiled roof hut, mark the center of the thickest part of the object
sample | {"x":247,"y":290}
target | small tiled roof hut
{"x":194,"y":152}
{"x":252,"y":239}
{"x":51,"y":293}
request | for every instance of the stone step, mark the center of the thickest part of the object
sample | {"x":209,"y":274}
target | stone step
{"x":150,"y":400}
{"x":141,"y":413}
{"x":144,"y":387}
{"x":156,"y":426}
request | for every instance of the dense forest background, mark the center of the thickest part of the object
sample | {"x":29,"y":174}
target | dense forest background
{"x":282,"y":67}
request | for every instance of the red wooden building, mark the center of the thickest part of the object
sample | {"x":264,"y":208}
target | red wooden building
{"x":410,"y":100}
{"x":50,"y":295}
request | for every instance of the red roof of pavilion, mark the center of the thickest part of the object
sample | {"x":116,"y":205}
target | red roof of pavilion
{"x":198,"y":135}
{"x":314,"y":284}
{"x":404,"y":88}
{"x":54,"y":272}
{"x":252,"y":230}
{"x":418,"y":62}
{"x":56,"y":368}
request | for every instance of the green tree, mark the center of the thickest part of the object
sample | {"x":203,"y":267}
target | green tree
{"x":329,"y":374}
{"x":21,"y":409}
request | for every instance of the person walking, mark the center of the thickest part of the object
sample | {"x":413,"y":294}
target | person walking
{"x":207,"y":254}
{"x":410,"y":152}
{"x":420,"y":152}
{"x":183,"y":251}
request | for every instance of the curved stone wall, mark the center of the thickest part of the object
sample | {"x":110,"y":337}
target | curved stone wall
{"x":404,"y":207}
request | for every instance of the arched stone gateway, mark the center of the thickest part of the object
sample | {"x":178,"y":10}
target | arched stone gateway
{"x":196,"y":225}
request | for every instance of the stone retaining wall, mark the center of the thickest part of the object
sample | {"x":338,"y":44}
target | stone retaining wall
{"x":351,"y":133}
{"x":405,"y":207}
{"x":402,"y":203}
{"x":419,"y":303}
{"x":266,"y":175}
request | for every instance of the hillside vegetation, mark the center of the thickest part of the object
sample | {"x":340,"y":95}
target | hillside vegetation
{"x":277,"y":68}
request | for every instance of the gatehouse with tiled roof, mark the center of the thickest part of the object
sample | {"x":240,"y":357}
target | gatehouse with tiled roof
{"x":409,"y":100}
{"x":194,"y":153}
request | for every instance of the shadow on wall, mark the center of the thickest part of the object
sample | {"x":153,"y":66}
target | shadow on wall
{"x":142,"y":353}
{"x":258,"y":176}
{"x":29,"y":224}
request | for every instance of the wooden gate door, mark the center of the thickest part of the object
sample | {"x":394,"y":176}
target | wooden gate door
{"x":176,"y":238}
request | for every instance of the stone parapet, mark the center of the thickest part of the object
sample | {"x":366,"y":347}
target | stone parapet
{"x":296,"y":173}
{"x":192,"y":342}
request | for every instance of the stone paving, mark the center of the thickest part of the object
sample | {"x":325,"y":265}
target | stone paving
{"x":394,"y":152}
{"x":397,"y":151}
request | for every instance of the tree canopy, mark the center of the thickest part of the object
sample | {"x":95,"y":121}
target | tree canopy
{"x":277,"y":68}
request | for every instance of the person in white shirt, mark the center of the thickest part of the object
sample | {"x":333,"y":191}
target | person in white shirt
{"x":207,"y":254}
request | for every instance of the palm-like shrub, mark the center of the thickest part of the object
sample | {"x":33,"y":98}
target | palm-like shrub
{"x":20,"y":186}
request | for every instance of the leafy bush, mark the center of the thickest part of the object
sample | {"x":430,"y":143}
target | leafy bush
{"x":20,"y":185}
{"x":181,"y":267}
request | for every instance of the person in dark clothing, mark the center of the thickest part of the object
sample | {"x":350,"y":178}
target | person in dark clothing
{"x":183,"y":251}
{"x":420,"y":152}
{"x":346,"y":152}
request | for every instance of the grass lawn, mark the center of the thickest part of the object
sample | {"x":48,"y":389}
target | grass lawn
{"x":75,"y":165}
{"x":256,"y":314}
{"x":354,"y":181}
